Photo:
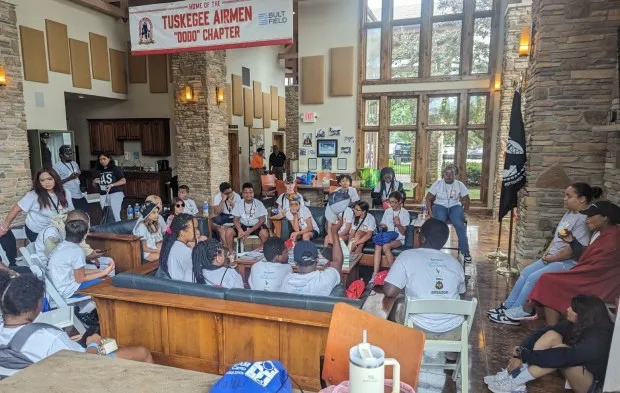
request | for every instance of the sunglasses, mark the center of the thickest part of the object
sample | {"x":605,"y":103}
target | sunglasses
{"x":180,"y":205}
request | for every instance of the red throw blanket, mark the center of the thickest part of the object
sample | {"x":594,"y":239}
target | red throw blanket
{"x":597,"y":273}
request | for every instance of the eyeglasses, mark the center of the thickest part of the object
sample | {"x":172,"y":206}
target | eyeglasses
{"x":180,"y":205}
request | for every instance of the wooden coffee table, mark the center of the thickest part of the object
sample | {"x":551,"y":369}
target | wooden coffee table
{"x":348,"y":274}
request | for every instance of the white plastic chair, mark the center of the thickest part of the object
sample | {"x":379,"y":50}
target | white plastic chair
{"x":457,"y":307}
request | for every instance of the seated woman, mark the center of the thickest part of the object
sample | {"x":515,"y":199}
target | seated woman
{"x":212,"y":265}
{"x":448,"y":199}
{"x":361,"y":228}
{"x":579,"y":348}
{"x":597,"y":272}
{"x":558,"y":257}
{"x":149,"y":231}
{"x":387,"y":185}
{"x":176,"y":207}
{"x":175,"y":257}
{"x":395,"y":220}
{"x":160,"y":205}
{"x":21,"y":303}
{"x":304,"y":226}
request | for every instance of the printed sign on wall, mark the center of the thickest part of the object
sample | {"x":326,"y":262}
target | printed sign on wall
{"x":200,"y":25}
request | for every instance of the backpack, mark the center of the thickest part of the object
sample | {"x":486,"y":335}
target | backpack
{"x":10,"y":356}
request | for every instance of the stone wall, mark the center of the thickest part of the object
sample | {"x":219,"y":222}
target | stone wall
{"x":202,"y":129}
{"x":15,"y":176}
{"x":569,"y":90}
{"x":292,"y":122}
{"x":517,"y":16}
{"x":612,"y":168}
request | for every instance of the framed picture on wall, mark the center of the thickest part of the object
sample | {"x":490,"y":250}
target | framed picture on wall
{"x":326,"y":164}
{"x":312,"y":164}
{"x":342,"y":164}
{"x":327,"y":148}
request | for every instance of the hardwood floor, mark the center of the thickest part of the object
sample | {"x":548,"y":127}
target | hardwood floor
{"x":490,"y":344}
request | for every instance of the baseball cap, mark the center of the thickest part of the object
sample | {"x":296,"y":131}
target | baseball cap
{"x":605,"y":209}
{"x":436,"y":233}
{"x":65,"y":149}
{"x":305,"y":253}
{"x":147,"y":209}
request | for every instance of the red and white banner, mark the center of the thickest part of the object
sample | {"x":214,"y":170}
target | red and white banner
{"x":200,"y":25}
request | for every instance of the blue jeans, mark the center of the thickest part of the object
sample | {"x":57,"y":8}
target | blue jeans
{"x":529,"y":277}
{"x":456,"y":214}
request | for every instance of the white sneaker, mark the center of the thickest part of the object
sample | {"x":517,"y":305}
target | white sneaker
{"x":500,"y":375}
{"x":507,"y":385}
{"x":518,"y":314}
{"x":567,"y":386}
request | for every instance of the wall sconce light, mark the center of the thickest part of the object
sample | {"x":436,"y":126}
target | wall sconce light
{"x":498,"y":82}
{"x":219,"y":95}
{"x":524,"y":42}
{"x":188,"y":95}
{"x":2,"y":77}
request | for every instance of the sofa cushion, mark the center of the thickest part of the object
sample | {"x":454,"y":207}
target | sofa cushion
{"x":159,"y":284}
{"x":123,"y":227}
{"x":280,"y":299}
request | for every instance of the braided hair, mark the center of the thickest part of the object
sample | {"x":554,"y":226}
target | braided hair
{"x":203,"y":256}
{"x":21,"y":294}
{"x":180,"y":223}
{"x":387,"y":171}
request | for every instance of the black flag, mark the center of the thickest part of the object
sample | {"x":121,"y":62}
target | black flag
{"x":513,"y":178}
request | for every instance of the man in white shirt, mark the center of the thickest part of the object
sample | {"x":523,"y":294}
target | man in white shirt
{"x":428,"y":273}
{"x":268,"y":275}
{"x":69,"y":172}
{"x":308,"y":280}
{"x":223,"y":205}
{"x":448,"y":198}
{"x":249,"y":218}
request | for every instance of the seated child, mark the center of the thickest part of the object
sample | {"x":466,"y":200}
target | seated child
{"x":249,"y":217}
{"x":360,"y":228}
{"x":176,"y":207}
{"x":212,"y":265}
{"x":267,"y":275}
{"x":160,"y":205}
{"x":190,"y":205}
{"x":148,"y":228}
{"x":395,"y":219}
{"x":175,"y":257}
{"x":301,"y":220}
{"x":223,"y":205}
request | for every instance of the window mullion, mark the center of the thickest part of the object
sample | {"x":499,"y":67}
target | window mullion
{"x":386,"y":40}
{"x":467,"y":39}
{"x":426,"y":29}
{"x":384,"y":136}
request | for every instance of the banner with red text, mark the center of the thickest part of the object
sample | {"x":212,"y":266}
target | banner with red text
{"x":200,"y":25}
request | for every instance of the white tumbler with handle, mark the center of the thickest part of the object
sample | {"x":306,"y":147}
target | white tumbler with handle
{"x":367,"y":369}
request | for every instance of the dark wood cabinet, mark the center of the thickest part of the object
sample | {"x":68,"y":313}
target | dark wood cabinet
{"x":103,"y":138}
{"x":155,"y":138}
{"x":133,"y":131}
{"x":107,"y":135}
{"x":120,"y":130}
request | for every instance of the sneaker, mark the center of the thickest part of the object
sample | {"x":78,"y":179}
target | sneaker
{"x":506,"y":385}
{"x":498,"y":310}
{"x":500,"y":375}
{"x":503,"y":319}
{"x":518,"y":314}
{"x":467,"y":258}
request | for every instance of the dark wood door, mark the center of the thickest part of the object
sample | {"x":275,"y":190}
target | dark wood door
{"x":94,"y":129}
{"x":158,"y":139}
{"x":131,"y":188}
{"x":278,"y":140}
{"x":120,"y":130}
{"x":233,"y":160}
{"x":146,"y":133}
{"x":133,"y":131}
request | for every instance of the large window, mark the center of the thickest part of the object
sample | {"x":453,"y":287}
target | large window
{"x":457,"y":32}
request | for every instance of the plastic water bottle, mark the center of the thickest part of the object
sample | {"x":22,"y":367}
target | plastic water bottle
{"x":129,"y":212}
{"x":423,"y":209}
{"x":309,"y":178}
{"x":205,"y":208}
{"x":136,"y":211}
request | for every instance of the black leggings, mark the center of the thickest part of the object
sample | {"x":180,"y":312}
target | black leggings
{"x":9,"y":246}
{"x":32,"y":236}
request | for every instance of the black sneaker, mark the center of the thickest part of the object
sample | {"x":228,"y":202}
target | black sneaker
{"x":467,"y":258}
{"x":497,"y":311}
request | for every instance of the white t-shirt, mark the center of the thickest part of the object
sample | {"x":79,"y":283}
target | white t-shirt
{"x":42,"y":343}
{"x":368,"y":224}
{"x":352,"y":193}
{"x":388,"y":219}
{"x":317,"y":283}
{"x":223,"y":277}
{"x":151,"y":238}
{"x":576,"y":224}
{"x":162,"y":225}
{"x":347,"y":218}
{"x":37,"y":218}
{"x":302,"y":218}
{"x":43,"y":236}
{"x":190,"y":207}
{"x":429,"y":274}
{"x":249,"y":213}
{"x":448,"y":195}
{"x":227,"y":209}
{"x":268,"y":276}
{"x":66,"y":258}
{"x":66,"y":169}
{"x":284,"y":204}
{"x":180,"y":262}
{"x":388,"y":189}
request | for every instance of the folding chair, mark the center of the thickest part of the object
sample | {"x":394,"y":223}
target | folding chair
{"x":456,"y":307}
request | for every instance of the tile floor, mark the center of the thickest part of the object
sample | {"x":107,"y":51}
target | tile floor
{"x":490,"y":344}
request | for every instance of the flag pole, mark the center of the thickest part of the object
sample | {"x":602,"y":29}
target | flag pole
{"x":508,"y":270}
{"x":498,"y":254}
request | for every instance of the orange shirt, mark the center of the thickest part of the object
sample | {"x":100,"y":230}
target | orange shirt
{"x":257,"y":162}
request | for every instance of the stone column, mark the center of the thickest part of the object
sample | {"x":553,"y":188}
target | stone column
{"x":202,"y":130}
{"x":569,"y":90}
{"x":15,"y":176}
{"x":292,"y":122}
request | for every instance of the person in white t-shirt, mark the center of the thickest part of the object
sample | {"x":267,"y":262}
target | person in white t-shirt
{"x":249,"y":218}
{"x":190,"y":205}
{"x":148,"y":228}
{"x":448,"y":198}
{"x":22,"y":302}
{"x":361,"y":227}
{"x":427,"y":273}
{"x":268,"y":275}
{"x":395,"y":219}
{"x":47,"y":199}
{"x":175,"y":257}
{"x":386,"y":186}
{"x":301,"y":221}
{"x":67,"y":264}
{"x":223,"y":205}
{"x":309,"y":280}
{"x":212,"y":265}
{"x":282,"y":202}
{"x":344,"y":181}
{"x":160,"y":205}
{"x":69,"y":172}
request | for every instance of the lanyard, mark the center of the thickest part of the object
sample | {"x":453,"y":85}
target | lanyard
{"x":252,"y":210}
{"x":69,"y":167}
{"x":360,"y":224}
{"x":53,"y":203}
{"x":387,"y":192}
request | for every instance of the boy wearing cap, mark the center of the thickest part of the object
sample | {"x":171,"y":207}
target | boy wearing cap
{"x":428,"y":273}
{"x":69,"y":172}
{"x":308,"y":280}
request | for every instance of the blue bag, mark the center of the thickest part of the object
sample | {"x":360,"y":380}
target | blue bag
{"x":268,"y":376}
{"x":383,"y":238}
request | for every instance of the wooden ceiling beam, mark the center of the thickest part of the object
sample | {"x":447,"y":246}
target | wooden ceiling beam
{"x":103,"y":6}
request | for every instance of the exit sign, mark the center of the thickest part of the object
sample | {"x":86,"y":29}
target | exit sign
{"x":309,"y":117}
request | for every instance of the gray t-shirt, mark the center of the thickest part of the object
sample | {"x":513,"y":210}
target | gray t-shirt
{"x":180,"y":262}
{"x":223,"y":277}
{"x":574,"y":222}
